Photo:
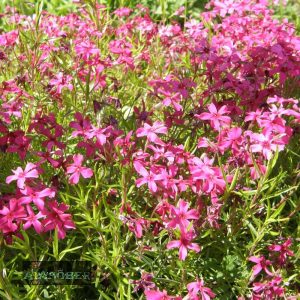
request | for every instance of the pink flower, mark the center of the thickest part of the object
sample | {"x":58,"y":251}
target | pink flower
{"x":181,"y":215}
{"x":56,"y":218}
{"x":85,"y":49}
{"x":151,"y":131}
{"x":76,"y":169}
{"x":261,"y":264}
{"x":82,"y":126}
{"x":99,"y":133}
{"x":217,"y":120}
{"x":148,"y":177}
{"x":21,"y":176}
{"x":33,"y":220}
{"x":266,"y":144}
{"x":10,"y":214}
{"x":184,"y":244}
{"x":158,"y":295}
{"x":35,"y":196}
{"x":123,"y":12}
{"x":61,"y":81}
{"x":198,"y":286}
{"x":268,"y":290}
{"x":283,"y":250}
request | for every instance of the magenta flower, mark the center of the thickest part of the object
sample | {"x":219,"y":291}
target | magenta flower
{"x":265,"y":144}
{"x":148,"y":177}
{"x":33,"y":220}
{"x":56,"y":218}
{"x":21,"y":176}
{"x":35,"y":196}
{"x":76,"y":169}
{"x":158,"y":295}
{"x":123,"y":12}
{"x":283,"y":250}
{"x":85,"y":49}
{"x":82,"y":126}
{"x":197,"y":287}
{"x":151,"y":131}
{"x":99,"y":133}
{"x":61,"y":81}
{"x":184,"y":244}
{"x":261,"y":264}
{"x":268,"y":290}
{"x":11,"y":214}
{"x":182,"y":215}
{"x":217,"y":120}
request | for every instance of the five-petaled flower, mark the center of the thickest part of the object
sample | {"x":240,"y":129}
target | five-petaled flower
{"x":76,"y":169}
{"x":21,"y":176}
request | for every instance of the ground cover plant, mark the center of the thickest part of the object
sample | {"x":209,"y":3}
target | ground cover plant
{"x":165,"y":153}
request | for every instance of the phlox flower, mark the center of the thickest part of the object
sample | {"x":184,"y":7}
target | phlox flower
{"x":268,"y":290}
{"x":61,"y":81}
{"x":36,"y":196}
{"x":123,"y":12}
{"x":158,"y":295}
{"x":181,"y":215}
{"x":148,"y":177}
{"x":11,"y":214}
{"x":82,"y":126}
{"x":76,"y":169}
{"x":33,"y":220}
{"x":20,"y":176}
{"x":216,"y":117}
{"x":266,"y":144}
{"x":196,"y":288}
{"x":184,"y":244}
{"x":261,"y":264}
{"x":55,"y":217}
{"x":283,"y":250}
{"x":151,"y":131}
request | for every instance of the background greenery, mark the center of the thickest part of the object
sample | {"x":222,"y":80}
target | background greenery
{"x":160,"y":9}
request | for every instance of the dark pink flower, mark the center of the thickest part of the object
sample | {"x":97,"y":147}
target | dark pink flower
{"x":61,"y":81}
{"x":36,"y":196}
{"x":56,"y":218}
{"x":196,"y":288}
{"x":158,"y":295}
{"x":268,"y":290}
{"x":33,"y":220}
{"x":184,"y":244}
{"x":261,"y":264}
{"x":123,"y":12}
{"x":283,"y":250}
{"x":181,"y":215}
{"x":10,"y":215}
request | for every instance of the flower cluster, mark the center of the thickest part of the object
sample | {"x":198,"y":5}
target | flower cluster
{"x":167,"y":129}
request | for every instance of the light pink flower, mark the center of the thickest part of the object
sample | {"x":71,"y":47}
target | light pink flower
{"x":151,"y":131}
{"x":76,"y":169}
{"x":21,"y":176}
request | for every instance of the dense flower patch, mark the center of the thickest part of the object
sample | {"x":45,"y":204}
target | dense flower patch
{"x":165,"y":154}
